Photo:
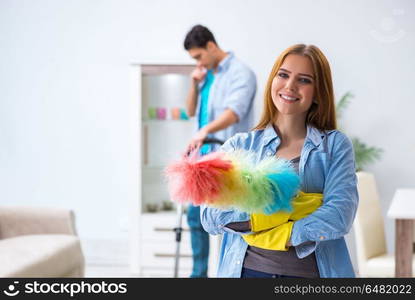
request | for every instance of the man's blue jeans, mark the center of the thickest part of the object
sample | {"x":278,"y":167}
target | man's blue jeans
{"x":200,"y":242}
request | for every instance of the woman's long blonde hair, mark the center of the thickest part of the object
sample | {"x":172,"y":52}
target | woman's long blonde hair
{"x":322,"y":114}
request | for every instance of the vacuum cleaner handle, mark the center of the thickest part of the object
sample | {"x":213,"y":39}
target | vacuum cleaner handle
{"x":212,"y":141}
{"x":206,"y":141}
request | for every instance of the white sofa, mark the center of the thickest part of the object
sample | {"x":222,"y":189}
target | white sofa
{"x":39,"y":242}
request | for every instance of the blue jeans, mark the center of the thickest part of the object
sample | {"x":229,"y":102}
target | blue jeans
{"x":200,"y":242}
{"x":249,"y":273}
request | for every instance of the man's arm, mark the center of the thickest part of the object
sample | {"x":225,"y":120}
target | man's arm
{"x":192,"y":96}
{"x":226,"y":119}
{"x":197,"y":75}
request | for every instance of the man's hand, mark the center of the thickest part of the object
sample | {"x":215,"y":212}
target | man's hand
{"x":197,"y":140}
{"x":227,"y":118}
{"x":198,"y":74}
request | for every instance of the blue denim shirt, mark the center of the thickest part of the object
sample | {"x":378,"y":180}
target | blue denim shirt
{"x":327,"y":166}
{"x":234,"y":87}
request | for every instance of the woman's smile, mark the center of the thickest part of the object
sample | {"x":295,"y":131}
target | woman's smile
{"x":288,"y":99}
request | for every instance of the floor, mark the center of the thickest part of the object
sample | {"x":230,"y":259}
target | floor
{"x":109,"y":271}
{"x":106,"y":258}
{"x":110,"y":258}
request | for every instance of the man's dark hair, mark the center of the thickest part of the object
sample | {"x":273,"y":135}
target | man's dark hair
{"x":198,"y":37}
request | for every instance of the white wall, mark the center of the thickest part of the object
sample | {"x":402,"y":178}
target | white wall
{"x":64,"y":87}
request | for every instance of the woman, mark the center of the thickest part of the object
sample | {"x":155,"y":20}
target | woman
{"x":298,"y":123}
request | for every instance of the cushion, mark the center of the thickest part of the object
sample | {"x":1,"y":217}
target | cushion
{"x":43,"y":255}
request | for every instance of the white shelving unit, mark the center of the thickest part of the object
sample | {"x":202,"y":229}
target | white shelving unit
{"x":152,"y":239}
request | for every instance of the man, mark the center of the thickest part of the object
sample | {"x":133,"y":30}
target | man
{"x":221,"y":96}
